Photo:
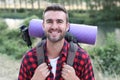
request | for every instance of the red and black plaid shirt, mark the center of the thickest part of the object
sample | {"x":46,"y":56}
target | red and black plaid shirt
{"x":82,"y":64}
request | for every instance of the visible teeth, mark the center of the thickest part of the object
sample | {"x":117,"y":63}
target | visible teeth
{"x":54,"y":32}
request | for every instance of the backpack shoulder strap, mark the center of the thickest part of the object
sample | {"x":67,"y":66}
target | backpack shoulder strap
{"x":40,"y":52}
{"x":71,"y":53}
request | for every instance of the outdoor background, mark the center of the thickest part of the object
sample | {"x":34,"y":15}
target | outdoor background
{"x":105,"y":14}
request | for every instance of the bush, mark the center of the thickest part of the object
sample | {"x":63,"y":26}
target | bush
{"x":20,"y":13}
{"x":3,"y":25}
{"x":105,"y":15}
{"x":108,"y":56}
{"x":80,"y":18}
{"x":14,"y":15}
{"x":12,"y":44}
{"x":11,"y":40}
{"x":27,"y":20}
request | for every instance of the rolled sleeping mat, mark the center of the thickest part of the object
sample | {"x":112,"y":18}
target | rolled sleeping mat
{"x":83,"y":33}
{"x":35,"y":28}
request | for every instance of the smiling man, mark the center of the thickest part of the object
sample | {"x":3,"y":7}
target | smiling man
{"x":56,"y":51}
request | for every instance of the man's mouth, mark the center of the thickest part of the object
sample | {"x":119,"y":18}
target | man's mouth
{"x":54,"y":33}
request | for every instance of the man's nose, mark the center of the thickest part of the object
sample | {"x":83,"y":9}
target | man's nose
{"x":54,"y":25}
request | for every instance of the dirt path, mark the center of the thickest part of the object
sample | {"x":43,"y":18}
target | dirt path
{"x":9,"y":68}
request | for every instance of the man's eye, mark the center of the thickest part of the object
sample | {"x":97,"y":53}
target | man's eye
{"x":60,"y":21}
{"x":48,"y":21}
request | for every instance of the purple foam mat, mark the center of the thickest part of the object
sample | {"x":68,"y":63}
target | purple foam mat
{"x":84,"y":33}
{"x":35,"y":28}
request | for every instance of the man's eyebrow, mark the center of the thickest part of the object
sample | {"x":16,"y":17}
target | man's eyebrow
{"x":48,"y":20}
{"x":56,"y":19}
{"x":59,"y":19}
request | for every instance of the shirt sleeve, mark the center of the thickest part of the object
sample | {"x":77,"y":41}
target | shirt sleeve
{"x":84,"y":70}
{"x":88,"y":73}
{"x":23,"y":74}
{"x":28,"y":65}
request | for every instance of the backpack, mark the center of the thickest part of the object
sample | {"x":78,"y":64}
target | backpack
{"x":39,"y":48}
{"x":71,"y":52}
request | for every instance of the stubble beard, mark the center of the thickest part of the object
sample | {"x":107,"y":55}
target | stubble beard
{"x":55,"y":39}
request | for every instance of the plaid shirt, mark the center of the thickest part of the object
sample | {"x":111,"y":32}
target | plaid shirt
{"x":82,"y":64}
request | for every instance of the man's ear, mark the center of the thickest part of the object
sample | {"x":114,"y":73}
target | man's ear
{"x":68,"y":27}
{"x":43,"y":26}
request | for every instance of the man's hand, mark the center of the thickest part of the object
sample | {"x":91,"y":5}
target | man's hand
{"x":68,"y":73}
{"x":41,"y":72}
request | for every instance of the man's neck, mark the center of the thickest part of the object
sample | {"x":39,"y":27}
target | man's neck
{"x":54,"y":49}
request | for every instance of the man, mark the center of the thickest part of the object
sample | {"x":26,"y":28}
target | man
{"x":55,"y":25}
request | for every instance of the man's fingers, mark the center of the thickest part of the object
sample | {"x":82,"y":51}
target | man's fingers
{"x":44,"y":68}
{"x":64,"y":74}
{"x":42,"y":65}
{"x":67,"y":72}
{"x":48,"y":72}
{"x":67,"y":66}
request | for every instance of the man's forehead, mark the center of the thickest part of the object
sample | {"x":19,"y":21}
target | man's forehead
{"x":54,"y":13}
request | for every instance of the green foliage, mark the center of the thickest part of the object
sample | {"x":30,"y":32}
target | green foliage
{"x":108,"y":56}
{"x":26,"y":20}
{"x":100,"y":11}
{"x":3,"y":25}
{"x":11,"y":42}
{"x":106,"y":4}
{"x":110,"y":11}
{"x":106,"y":15}
{"x":20,"y":13}
{"x":80,"y":17}
{"x":13,"y":15}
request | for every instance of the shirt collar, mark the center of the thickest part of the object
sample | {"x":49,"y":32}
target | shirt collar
{"x":64,"y":50}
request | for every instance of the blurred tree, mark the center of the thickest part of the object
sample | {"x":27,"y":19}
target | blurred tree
{"x":26,"y":4}
{"x":105,"y":4}
{"x":15,"y":6}
{"x":38,"y":4}
{"x":4,"y":2}
{"x":104,"y":10}
{"x":32,"y":3}
{"x":20,"y":3}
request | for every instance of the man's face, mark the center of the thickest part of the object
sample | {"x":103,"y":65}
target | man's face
{"x":55,"y":25}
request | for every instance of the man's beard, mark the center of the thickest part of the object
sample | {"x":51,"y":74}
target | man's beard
{"x":54,"y":40}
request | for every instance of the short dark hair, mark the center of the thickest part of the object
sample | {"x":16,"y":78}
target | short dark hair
{"x":56,"y":7}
